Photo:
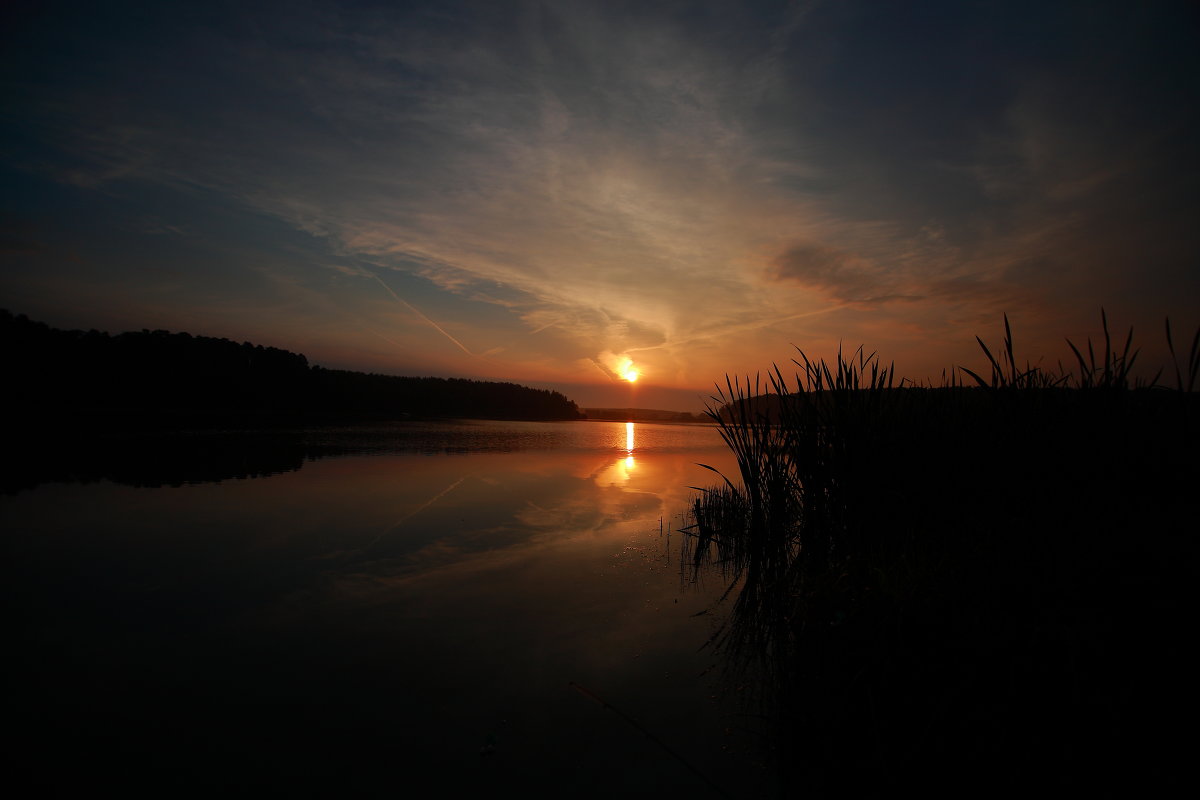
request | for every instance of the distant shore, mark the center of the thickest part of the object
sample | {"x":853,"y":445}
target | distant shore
{"x":644,"y":415}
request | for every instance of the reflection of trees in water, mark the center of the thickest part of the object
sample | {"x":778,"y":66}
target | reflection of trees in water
{"x":175,"y":458}
{"x":153,"y":460}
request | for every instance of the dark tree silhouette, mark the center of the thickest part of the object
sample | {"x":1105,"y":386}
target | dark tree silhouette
{"x":162,"y":379}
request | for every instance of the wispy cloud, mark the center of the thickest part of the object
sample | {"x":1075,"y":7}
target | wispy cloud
{"x":684,"y":185}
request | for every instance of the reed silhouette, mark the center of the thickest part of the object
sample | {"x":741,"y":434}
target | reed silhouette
{"x":972,"y":588}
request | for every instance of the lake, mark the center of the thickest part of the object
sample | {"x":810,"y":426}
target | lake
{"x":488,"y":606}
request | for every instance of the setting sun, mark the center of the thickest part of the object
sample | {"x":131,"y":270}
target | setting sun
{"x":627,"y":371}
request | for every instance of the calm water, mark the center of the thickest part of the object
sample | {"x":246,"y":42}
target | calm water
{"x":371,"y":609}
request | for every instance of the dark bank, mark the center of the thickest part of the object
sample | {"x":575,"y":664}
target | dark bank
{"x":976,"y":588}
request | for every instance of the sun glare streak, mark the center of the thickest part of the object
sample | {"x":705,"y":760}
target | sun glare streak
{"x":629,"y":438}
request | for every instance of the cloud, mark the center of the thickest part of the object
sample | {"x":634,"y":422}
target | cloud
{"x":844,"y":275}
{"x":556,"y":182}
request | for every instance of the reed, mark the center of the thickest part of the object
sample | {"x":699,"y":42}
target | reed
{"x":898,"y":556}
{"x":1192,"y":364}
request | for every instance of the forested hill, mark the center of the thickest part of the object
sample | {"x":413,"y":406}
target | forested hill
{"x":168,"y":377}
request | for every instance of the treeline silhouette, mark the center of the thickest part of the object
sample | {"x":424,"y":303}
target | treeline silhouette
{"x":161,"y":379}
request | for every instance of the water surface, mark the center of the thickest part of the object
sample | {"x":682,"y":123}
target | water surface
{"x":375,"y":607}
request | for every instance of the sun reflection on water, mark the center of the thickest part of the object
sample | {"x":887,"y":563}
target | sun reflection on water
{"x":629,"y":462}
{"x":620,"y":470}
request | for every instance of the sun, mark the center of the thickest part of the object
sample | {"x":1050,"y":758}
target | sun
{"x":627,"y":371}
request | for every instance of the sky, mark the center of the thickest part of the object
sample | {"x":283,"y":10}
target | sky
{"x":553,"y":193}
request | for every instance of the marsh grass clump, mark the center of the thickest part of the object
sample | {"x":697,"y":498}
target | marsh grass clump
{"x":962,"y":587}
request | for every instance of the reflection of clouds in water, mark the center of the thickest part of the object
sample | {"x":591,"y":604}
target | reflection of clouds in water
{"x":498,"y":578}
{"x":622,"y":496}
{"x":562,"y":515}
{"x":361,"y":527}
{"x":507,"y":513}
{"x":617,"y":473}
{"x":400,"y":522}
{"x":351,"y":527}
{"x":593,"y":506}
{"x":579,"y":518}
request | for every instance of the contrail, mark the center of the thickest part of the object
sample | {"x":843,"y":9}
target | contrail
{"x":542,"y":328}
{"x":417,"y":311}
{"x":612,"y":375}
{"x":416,"y":511}
{"x":392,"y":342}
